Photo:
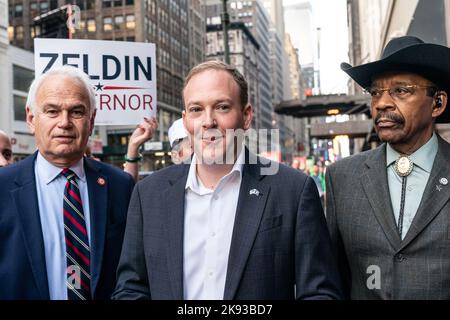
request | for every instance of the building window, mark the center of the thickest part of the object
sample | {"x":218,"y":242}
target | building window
{"x":19,"y":108}
{"x":91,"y":25}
{"x":107,"y":3}
{"x":18,"y":10}
{"x":22,"y":78}
{"x":107,"y":24}
{"x":18,"y":32}
{"x":130,"y":22}
{"x":82,"y":25}
{"x":129,"y":2}
{"x":117,"y":3}
{"x":11,"y":33}
{"x":90,"y":4}
{"x":43,"y":6}
{"x":118,"y":22}
{"x":167,"y":121}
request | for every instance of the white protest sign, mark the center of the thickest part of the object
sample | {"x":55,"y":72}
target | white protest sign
{"x":123,"y":74}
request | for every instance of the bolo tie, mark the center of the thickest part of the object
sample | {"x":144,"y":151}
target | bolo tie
{"x":403,"y":167}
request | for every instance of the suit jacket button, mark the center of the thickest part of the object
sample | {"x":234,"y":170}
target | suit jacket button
{"x":399,"y":257}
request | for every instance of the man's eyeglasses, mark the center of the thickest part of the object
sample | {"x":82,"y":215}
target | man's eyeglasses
{"x":397,"y":92}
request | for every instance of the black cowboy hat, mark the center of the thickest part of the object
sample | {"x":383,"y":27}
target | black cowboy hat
{"x":409,"y":54}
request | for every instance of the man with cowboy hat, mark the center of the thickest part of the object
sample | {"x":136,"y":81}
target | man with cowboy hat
{"x":388,"y":209}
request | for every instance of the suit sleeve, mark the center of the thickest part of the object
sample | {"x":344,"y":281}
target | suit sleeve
{"x":336,"y":240}
{"x":132,"y":281}
{"x":316,"y":271}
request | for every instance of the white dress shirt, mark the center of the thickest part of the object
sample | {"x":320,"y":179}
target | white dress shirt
{"x":208,"y":228}
{"x":50,"y":192}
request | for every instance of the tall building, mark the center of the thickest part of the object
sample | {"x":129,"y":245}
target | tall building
{"x":373,"y":23}
{"x":17,"y":72}
{"x":243,"y":53}
{"x":354,"y":41}
{"x":299,"y":24}
{"x":295,"y":89}
{"x":253,"y":15}
{"x":197,"y":27}
{"x":4,"y":101}
{"x":276,"y":13}
{"x":294,"y":71}
{"x":177,"y":27}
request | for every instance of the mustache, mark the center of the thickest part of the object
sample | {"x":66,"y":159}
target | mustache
{"x":391,"y":116}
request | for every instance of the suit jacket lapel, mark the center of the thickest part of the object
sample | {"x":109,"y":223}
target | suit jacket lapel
{"x":375,"y":185}
{"x":25,"y":199}
{"x":175,"y":198}
{"x":249,"y":211}
{"x":435,"y":195}
{"x":98,"y":207}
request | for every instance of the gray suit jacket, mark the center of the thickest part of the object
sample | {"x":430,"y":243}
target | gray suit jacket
{"x":280,"y":239}
{"x":365,"y":237}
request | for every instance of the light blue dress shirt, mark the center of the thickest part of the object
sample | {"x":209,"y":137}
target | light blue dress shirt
{"x":50,"y":192}
{"x":416,"y":182}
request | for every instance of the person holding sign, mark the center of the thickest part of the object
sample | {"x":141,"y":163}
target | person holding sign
{"x":143,"y":132}
{"x":62,"y":215}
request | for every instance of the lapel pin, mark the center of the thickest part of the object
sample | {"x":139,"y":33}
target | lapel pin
{"x":254,"y":191}
{"x":438,"y":188}
{"x":101,"y":181}
{"x":443,"y":181}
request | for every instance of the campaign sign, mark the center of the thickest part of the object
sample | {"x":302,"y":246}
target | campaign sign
{"x":123,"y":74}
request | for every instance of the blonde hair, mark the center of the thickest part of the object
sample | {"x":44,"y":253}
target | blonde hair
{"x":219,"y":65}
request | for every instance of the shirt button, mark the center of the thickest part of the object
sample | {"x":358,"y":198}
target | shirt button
{"x":213,"y":234}
{"x":410,"y":188}
{"x":216,"y":197}
{"x":211,"y":273}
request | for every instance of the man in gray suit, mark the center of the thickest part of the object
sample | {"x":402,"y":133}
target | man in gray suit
{"x":387,"y":209}
{"x":219,"y":228}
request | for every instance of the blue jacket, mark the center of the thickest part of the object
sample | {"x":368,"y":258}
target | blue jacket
{"x":23,"y":273}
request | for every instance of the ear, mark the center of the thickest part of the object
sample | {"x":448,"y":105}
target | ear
{"x":92,"y":121}
{"x":30,"y":119}
{"x":439,"y":109}
{"x":183,"y":115}
{"x":248,"y":116}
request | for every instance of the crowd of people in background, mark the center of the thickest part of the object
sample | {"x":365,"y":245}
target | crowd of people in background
{"x":316,"y":171}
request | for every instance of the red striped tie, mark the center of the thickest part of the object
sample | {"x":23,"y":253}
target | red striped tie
{"x":77,"y":244}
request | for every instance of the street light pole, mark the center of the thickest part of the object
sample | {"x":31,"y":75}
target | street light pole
{"x":225,"y":22}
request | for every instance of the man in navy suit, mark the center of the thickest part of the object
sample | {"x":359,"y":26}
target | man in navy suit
{"x":226,"y":226}
{"x":62,"y":216}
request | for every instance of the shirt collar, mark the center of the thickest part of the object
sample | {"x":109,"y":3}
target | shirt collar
{"x":193,"y":182}
{"x":423,"y":157}
{"x":49,"y":172}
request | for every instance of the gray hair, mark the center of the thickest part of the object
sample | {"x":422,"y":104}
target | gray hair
{"x":67,"y":71}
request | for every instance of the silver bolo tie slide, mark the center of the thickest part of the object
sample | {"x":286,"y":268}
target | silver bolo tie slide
{"x":403,"y":167}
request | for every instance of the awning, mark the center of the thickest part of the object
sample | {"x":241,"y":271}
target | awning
{"x":324,"y":105}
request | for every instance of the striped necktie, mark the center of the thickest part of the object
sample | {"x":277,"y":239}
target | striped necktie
{"x":77,"y":244}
